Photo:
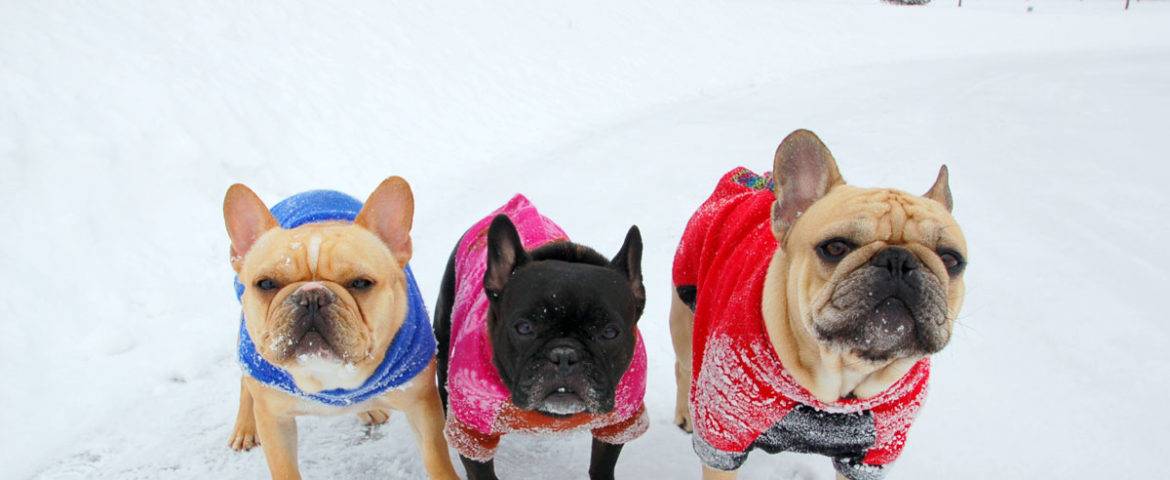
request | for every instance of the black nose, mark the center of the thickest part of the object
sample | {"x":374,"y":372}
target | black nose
{"x":563,"y":357}
{"x":312,"y":298}
{"x":896,"y":260}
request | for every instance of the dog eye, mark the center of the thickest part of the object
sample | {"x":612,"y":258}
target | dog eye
{"x":953,"y":261}
{"x":833,"y":250}
{"x":524,"y":328}
{"x":611,"y":332}
{"x":361,"y":284}
{"x":266,"y":284}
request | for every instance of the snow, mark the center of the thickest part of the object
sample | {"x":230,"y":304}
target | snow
{"x":123,"y":124}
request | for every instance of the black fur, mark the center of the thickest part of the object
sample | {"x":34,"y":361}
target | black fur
{"x":442,"y":325}
{"x":891,"y":308}
{"x":573,"y":300}
{"x":688,"y":293}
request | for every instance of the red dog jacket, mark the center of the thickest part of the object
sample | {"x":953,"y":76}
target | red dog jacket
{"x":741,"y":395}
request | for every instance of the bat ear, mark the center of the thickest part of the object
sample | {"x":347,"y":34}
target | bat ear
{"x":505,"y":253}
{"x":628,"y":261}
{"x":246,"y":219}
{"x":389,"y":214}
{"x":803,"y":171}
{"x":941,"y":190}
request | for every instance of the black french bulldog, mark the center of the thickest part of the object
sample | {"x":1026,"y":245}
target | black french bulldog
{"x":562,"y":325}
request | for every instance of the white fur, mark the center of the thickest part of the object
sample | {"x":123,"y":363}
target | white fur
{"x":314,"y":253}
{"x":327,"y":373}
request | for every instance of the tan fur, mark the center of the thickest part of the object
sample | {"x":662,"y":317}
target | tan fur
{"x":329,"y":255}
{"x":797,"y":284}
{"x":272,"y":421}
{"x":682,"y":326}
{"x":874,"y":218}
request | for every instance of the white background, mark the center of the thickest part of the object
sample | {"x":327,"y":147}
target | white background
{"x":122,"y":124}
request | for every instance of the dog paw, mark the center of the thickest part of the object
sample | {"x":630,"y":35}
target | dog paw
{"x":374,"y":417}
{"x":682,"y":419}
{"x":244,"y":438}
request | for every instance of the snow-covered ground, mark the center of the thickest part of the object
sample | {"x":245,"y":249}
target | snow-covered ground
{"x":121,"y":125}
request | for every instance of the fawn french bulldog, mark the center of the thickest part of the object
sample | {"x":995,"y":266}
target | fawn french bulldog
{"x":805,"y":312}
{"x":333,"y":322}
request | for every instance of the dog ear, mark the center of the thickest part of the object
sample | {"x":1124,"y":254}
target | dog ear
{"x":941,"y":190}
{"x":803,"y":171}
{"x":628,"y":261}
{"x":505,"y":253}
{"x":389,"y":214}
{"x":246,"y":218}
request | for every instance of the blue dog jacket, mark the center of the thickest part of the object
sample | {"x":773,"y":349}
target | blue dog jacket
{"x":410,"y":351}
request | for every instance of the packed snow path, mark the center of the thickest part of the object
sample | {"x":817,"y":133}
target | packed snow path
{"x":122,"y":127}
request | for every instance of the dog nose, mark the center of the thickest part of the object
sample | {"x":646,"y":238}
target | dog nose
{"x":312,"y":296}
{"x":563,"y":357}
{"x":896,"y":260}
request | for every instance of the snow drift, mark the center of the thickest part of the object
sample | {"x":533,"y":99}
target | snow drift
{"x":123,"y":123}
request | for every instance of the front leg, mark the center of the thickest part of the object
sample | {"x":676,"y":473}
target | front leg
{"x":280,"y":442}
{"x":716,"y":474}
{"x":682,"y":326}
{"x":244,"y":436}
{"x":603,"y":460}
{"x":479,"y":470}
{"x":425,"y":415}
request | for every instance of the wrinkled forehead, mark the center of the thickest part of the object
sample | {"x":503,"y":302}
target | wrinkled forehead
{"x":866,"y":215}
{"x":573,"y":289}
{"x":320,"y":247}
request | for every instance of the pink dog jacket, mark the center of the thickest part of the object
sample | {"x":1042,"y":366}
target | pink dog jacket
{"x":480,"y":410}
